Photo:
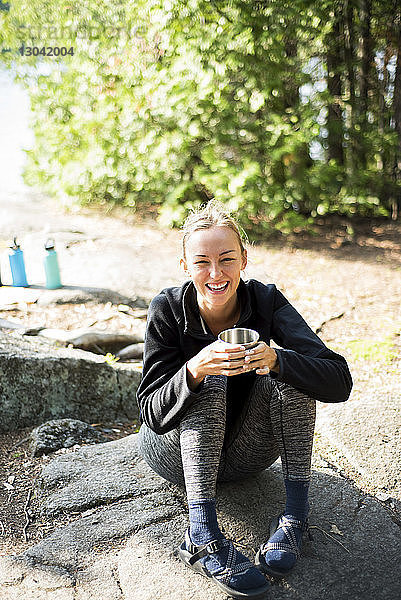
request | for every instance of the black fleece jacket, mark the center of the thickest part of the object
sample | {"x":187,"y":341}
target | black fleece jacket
{"x":174,"y":334}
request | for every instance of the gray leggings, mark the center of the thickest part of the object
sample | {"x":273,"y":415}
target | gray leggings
{"x":276,"y":420}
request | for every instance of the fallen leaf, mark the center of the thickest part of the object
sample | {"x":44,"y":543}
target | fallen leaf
{"x":334,"y":529}
{"x":383,"y":497}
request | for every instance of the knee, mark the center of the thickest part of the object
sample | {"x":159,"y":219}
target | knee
{"x":216,"y":384}
{"x":210,"y":406}
{"x":293,"y":400}
{"x":264,"y":388}
{"x":213,"y":392}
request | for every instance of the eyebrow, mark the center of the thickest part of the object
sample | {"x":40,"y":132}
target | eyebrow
{"x":221,"y":253}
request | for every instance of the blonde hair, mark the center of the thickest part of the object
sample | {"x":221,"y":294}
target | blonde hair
{"x":213,"y":214}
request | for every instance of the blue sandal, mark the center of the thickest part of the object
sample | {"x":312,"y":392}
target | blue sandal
{"x":191,"y":555}
{"x":291,"y":545}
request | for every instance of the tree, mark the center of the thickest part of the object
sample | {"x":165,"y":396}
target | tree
{"x":169,"y":104}
{"x":396,"y":200}
{"x":335,"y":64}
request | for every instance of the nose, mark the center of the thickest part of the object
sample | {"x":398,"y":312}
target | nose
{"x":215,"y":271}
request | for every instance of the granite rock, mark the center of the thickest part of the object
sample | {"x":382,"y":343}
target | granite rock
{"x":40,"y":382}
{"x":62,"y":433}
{"x":122,"y":547}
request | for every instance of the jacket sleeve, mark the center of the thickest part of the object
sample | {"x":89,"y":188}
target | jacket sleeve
{"x":305,"y":362}
{"x":163,"y":394}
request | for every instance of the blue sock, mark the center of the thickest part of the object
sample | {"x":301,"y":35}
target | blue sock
{"x":297,"y":506}
{"x":203,"y":526}
{"x":203,"y":529}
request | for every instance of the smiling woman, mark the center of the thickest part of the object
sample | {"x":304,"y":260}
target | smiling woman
{"x":214,"y":255}
{"x":213,"y":411}
{"x":214,"y":263}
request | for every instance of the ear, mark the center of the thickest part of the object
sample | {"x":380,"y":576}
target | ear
{"x":184,"y":266}
{"x":244,"y":260}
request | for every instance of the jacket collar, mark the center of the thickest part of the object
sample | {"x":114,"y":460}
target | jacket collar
{"x":192,"y":318}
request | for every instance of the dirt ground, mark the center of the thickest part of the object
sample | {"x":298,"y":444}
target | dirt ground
{"x":345,"y":281}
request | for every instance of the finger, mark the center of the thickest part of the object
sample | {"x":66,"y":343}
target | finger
{"x":259,"y":352}
{"x":253,"y":356}
{"x":248,"y":367}
{"x":225,"y":349}
{"x":256,"y":364}
{"x":230,"y":372}
{"x":236,"y":355}
{"x":260,"y":347}
{"x":234,"y":365}
{"x":262,"y":371}
{"x":233,"y":356}
{"x":257,"y":349}
{"x":224,"y":356}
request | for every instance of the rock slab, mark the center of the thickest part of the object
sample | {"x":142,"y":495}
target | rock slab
{"x":39,"y":382}
{"x":119,"y":543}
{"x":62,"y":433}
{"x":367,"y":431}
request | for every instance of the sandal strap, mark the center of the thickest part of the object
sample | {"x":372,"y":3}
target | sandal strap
{"x":231,"y":568}
{"x":287,"y":524}
{"x":281,"y":546}
{"x":293,"y":522}
{"x":203,"y":550}
{"x":224,"y":574}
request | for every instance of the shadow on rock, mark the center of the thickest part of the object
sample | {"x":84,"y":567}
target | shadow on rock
{"x":74,"y":294}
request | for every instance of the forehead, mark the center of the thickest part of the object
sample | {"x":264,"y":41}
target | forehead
{"x":212,"y":241}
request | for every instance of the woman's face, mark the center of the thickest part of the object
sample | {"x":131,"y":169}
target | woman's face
{"x":214,"y":263}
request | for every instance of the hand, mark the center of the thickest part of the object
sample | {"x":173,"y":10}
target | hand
{"x":262,"y":358}
{"x":216,"y":359}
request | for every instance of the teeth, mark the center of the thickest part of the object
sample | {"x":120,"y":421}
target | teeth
{"x":215,"y":286}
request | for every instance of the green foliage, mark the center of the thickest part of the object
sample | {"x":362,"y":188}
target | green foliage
{"x":110,"y":359}
{"x":169,"y":103}
{"x":382,"y":351}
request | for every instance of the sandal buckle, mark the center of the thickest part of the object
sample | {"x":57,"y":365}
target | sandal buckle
{"x":213,"y":546}
{"x":192,"y":548}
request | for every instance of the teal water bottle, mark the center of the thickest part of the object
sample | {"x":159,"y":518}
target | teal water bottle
{"x":16,"y":258}
{"x":53,"y":281}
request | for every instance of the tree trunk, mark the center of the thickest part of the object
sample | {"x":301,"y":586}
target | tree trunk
{"x":301,"y":161}
{"x":335,"y":124}
{"x":289,"y":100}
{"x":382,"y":84}
{"x":366,"y":62}
{"x":349,"y":56}
{"x":291,"y":97}
{"x":396,"y":200}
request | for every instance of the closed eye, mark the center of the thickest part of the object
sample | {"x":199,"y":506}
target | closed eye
{"x":204,"y":262}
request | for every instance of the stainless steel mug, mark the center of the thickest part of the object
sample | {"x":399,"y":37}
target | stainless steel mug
{"x":240,"y":335}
